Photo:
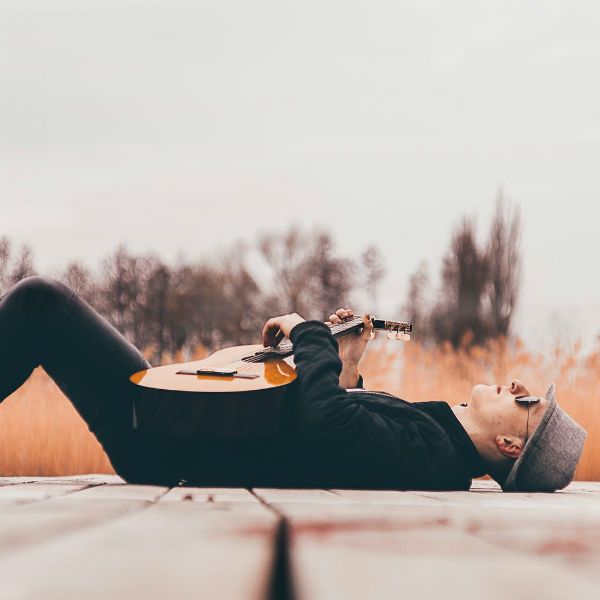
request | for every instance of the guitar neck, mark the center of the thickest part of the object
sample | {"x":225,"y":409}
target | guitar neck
{"x":357,"y":324}
{"x":285,"y":347}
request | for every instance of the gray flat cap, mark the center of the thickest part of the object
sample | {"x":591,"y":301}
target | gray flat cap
{"x":551,"y":454}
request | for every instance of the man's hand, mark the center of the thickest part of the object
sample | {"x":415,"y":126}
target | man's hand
{"x":352,"y":346}
{"x":277,"y":328}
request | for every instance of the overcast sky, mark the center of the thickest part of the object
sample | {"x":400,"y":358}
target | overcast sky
{"x":181,"y":126}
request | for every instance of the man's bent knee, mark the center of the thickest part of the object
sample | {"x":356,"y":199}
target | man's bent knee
{"x":40,"y":293}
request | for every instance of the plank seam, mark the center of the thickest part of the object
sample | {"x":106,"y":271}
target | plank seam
{"x":281,"y":580}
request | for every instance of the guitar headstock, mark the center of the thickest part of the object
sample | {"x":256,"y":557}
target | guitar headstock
{"x":398,"y":330}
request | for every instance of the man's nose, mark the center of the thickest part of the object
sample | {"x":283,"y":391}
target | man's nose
{"x":517,"y":388}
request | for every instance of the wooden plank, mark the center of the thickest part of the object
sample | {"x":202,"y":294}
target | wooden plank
{"x":386,"y":497}
{"x":32,"y":492}
{"x":221,"y":548}
{"x":575,"y":547}
{"x":119,"y":492}
{"x":37,"y":522}
{"x":574,"y":487}
{"x":298,"y":495}
{"x":89,"y":479}
{"x":349,"y":514}
{"x":192,"y":494}
{"x":422,"y":563}
{"x":583,"y":487}
{"x":367,"y":549}
{"x":514,"y":500}
{"x":563,"y":528}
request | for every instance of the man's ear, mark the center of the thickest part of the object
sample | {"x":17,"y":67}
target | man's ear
{"x":509,"y":445}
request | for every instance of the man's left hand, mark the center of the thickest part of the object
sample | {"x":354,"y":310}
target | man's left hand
{"x":352,"y":346}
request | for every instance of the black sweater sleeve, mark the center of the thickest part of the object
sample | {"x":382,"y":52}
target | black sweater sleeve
{"x":325,"y":409}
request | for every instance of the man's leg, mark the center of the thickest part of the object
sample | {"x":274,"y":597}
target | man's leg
{"x":43,"y":322}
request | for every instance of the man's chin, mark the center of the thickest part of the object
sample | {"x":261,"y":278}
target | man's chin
{"x":477,"y":392}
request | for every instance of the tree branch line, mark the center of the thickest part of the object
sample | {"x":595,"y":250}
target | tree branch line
{"x":170,"y":309}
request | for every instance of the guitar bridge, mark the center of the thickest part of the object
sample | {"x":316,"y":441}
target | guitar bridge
{"x":222,"y":372}
{"x":217,"y":373}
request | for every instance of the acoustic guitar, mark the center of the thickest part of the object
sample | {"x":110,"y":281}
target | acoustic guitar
{"x":248,"y":368}
{"x":236,"y":392}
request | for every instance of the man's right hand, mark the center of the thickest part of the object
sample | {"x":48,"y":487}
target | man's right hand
{"x":276,"y":328}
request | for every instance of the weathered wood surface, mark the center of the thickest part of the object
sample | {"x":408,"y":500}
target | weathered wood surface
{"x":96,"y":537}
{"x":479,"y":544}
{"x":125,"y":541}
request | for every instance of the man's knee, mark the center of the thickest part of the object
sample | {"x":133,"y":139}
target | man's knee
{"x":40,"y":292}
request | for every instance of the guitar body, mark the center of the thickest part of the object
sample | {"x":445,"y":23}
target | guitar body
{"x":245,"y":405}
{"x":248,"y":376}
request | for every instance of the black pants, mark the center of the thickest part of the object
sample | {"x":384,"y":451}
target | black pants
{"x":43,"y":322}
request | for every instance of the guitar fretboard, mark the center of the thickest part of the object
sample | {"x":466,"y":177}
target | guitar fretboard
{"x":285,"y":347}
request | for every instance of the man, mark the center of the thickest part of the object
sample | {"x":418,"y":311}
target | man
{"x":330,"y":435}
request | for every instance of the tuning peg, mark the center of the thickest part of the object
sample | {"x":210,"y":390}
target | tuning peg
{"x":373,"y":334}
{"x":404,"y":337}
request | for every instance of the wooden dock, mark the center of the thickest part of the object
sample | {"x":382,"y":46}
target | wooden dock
{"x":96,"y":537}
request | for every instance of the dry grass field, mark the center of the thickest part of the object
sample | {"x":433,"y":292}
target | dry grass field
{"x":446,"y":374}
{"x":41,"y":434}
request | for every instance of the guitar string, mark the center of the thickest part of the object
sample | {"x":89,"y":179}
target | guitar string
{"x":261,"y":355}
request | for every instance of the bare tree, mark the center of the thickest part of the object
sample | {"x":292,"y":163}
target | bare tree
{"x":121,"y":293}
{"x":242,"y":299}
{"x":465,"y":270}
{"x":14,"y":268}
{"x":480,"y":285}
{"x":81,"y":280}
{"x":308,"y":275}
{"x":22,"y":266}
{"x":504,"y":259}
{"x":4,"y":260}
{"x":180,"y":310}
{"x":156,"y":305}
{"x":289,"y":257}
{"x":331,"y":281}
{"x":416,"y":309}
{"x":372,"y":272}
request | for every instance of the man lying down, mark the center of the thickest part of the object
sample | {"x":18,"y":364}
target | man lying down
{"x":332,"y":434}
{"x":525,"y":443}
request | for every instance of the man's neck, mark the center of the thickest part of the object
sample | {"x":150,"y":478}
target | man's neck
{"x":474,"y":431}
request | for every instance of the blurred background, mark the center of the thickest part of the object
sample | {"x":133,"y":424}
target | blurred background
{"x":191,"y":168}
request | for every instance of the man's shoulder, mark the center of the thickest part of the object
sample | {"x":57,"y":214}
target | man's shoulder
{"x":385,"y":400}
{"x":419,"y":415}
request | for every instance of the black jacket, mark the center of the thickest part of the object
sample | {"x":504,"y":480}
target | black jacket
{"x":360,"y":439}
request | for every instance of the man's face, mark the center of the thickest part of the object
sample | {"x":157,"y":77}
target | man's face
{"x":496,"y":406}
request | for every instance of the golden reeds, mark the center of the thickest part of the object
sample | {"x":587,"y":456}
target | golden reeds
{"x":418,"y":374}
{"x":41,"y":433}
